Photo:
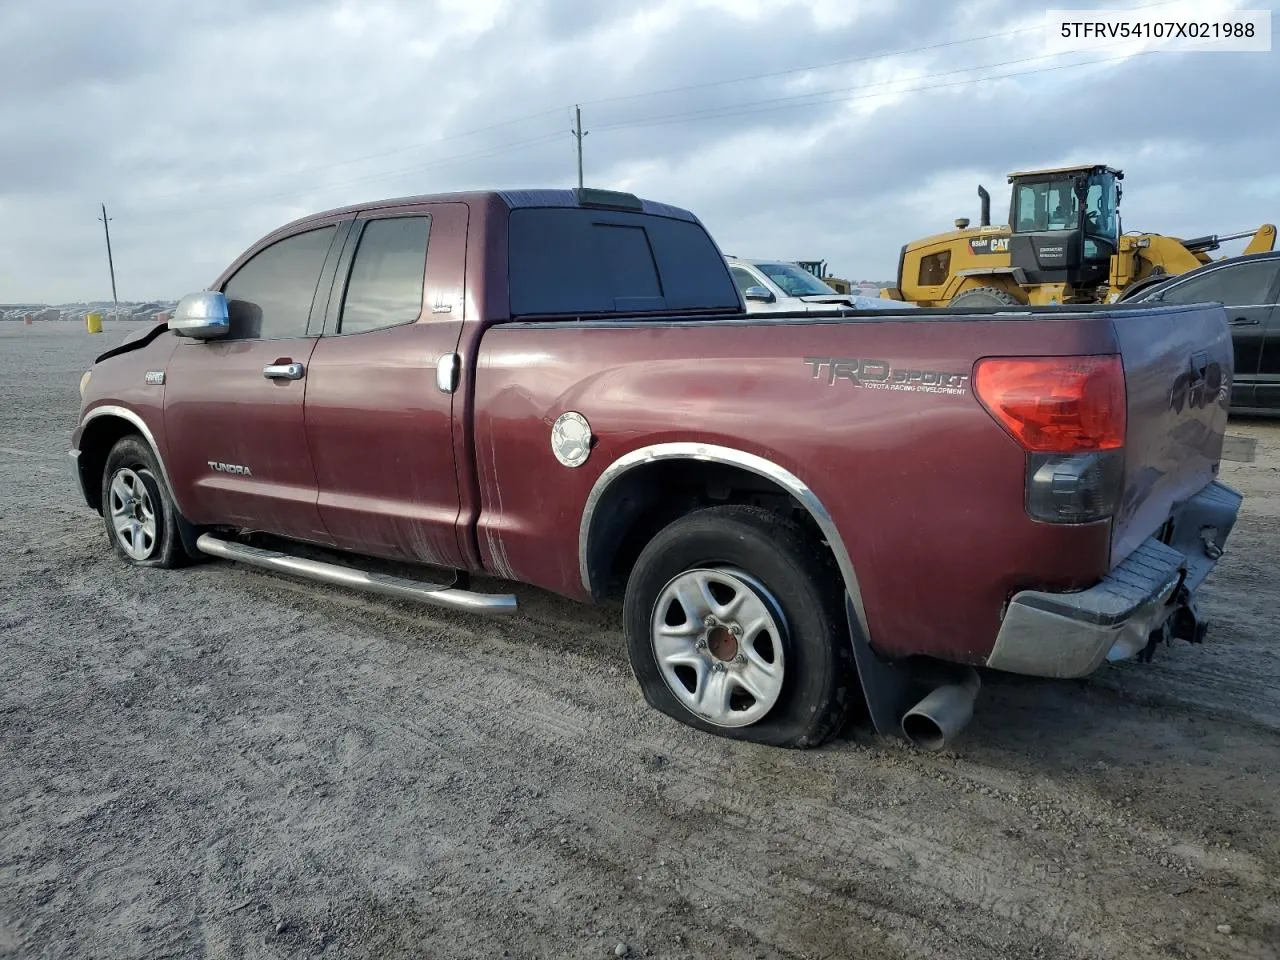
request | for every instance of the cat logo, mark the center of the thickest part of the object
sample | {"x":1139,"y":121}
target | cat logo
{"x":981,"y":245}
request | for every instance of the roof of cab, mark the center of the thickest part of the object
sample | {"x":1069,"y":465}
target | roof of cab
{"x":512,"y":199}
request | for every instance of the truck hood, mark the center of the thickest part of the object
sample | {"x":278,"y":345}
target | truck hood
{"x":857,"y":302}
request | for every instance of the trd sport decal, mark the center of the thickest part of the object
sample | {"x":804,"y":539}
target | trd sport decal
{"x":882,"y":375}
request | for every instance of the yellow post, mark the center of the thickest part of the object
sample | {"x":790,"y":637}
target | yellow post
{"x":94,"y":322}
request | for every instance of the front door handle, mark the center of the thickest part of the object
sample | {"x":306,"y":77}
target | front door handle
{"x":283,"y":371}
{"x":1245,"y":322}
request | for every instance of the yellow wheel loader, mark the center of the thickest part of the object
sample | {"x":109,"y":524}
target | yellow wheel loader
{"x":1063,"y":244}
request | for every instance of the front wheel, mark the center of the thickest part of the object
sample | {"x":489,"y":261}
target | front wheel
{"x":735,"y":626}
{"x":140,"y":516}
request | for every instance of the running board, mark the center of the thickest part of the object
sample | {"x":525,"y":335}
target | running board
{"x":417,"y":590}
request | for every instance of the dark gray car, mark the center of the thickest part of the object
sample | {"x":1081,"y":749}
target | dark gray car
{"x":1249,"y":287}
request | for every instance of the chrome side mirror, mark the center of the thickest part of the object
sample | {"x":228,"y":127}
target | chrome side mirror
{"x":201,"y":316}
{"x":759,"y":293}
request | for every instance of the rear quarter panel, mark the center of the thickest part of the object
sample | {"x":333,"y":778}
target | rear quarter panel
{"x":925,"y":487}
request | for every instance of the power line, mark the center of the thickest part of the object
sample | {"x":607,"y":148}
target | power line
{"x":853,"y":60}
{"x":728,"y":110}
{"x":442,"y":161}
{"x":810,"y":68}
{"x":765,"y":106}
{"x":386,"y":153}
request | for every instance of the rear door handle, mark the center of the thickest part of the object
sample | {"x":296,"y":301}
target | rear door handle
{"x":283,"y":371}
{"x":1245,"y":322}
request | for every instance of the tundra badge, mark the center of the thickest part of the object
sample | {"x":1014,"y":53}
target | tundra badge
{"x":221,"y":467}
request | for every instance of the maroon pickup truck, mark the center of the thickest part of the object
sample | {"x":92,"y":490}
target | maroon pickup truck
{"x":808,"y":518}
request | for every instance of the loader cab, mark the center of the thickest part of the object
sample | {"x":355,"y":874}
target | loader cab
{"x":1065,"y":224}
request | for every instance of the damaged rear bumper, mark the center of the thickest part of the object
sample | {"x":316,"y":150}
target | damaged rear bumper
{"x":1149,"y":595}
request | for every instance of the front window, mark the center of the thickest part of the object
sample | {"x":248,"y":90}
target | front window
{"x":794,"y":281}
{"x":1050,"y":205}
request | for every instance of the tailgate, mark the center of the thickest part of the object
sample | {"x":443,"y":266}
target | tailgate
{"x":1178,"y":366}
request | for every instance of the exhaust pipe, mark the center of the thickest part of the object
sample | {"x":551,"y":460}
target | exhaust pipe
{"x":986,"y":205}
{"x":937,"y":719}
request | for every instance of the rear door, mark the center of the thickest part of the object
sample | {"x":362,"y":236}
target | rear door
{"x":1267,"y":392}
{"x":234,"y":406}
{"x":379,"y":424}
{"x":1245,"y":288}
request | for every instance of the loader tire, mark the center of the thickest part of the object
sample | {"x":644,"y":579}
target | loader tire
{"x":985,"y":297}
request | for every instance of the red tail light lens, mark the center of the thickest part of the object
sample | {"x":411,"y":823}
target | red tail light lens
{"x":1056,"y":404}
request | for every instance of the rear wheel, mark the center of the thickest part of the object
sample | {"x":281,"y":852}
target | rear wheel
{"x":140,"y":517}
{"x":735,"y":626}
{"x":985,"y":297}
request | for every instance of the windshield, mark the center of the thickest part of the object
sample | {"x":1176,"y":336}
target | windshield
{"x":1050,"y":205}
{"x":795,"y":281}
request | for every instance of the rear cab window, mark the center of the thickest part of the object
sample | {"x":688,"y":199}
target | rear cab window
{"x":583,"y":261}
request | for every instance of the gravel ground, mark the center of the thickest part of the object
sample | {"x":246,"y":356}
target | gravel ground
{"x":220,"y":763}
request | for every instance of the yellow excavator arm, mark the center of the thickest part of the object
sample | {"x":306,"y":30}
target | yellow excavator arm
{"x":1264,"y":240}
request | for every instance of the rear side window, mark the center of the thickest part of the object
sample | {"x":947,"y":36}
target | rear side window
{"x":743,"y":280}
{"x":387,"y":275}
{"x":576,"y":262}
{"x":1244,"y":285}
{"x":933,"y":269}
{"x":269,"y":298}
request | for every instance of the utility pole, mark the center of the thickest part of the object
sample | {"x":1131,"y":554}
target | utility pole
{"x":110,"y":263}
{"x":578,"y":134}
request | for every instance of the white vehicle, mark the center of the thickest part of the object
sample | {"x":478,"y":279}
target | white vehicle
{"x":774,"y":285}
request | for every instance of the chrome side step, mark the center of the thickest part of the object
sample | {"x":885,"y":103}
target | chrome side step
{"x":422,"y":592}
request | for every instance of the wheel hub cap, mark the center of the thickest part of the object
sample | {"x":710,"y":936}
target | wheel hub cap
{"x":718,"y":641}
{"x":722,"y":644}
{"x":133,"y":515}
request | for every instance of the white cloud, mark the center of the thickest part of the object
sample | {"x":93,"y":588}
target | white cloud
{"x":203,"y":129}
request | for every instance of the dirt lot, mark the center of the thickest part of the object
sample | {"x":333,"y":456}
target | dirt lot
{"x":216,"y":762}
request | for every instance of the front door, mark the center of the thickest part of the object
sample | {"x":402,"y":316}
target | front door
{"x":379,"y":426}
{"x":1267,"y":393}
{"x":234,"y":406}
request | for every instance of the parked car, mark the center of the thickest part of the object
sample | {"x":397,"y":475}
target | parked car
{"x":1249,"y":288}
{"x":563,"y":388}
{"x":774,"y":286}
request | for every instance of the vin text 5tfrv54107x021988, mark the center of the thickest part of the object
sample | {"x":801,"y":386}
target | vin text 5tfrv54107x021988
{"x":564,"y":388}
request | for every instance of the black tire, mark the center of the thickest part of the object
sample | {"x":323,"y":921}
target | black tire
{"x":985,"y":297}
{"x":800,"y":583}
{"x":134,"y":465}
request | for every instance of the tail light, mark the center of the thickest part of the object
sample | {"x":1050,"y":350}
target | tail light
{"x":1068,"y":414}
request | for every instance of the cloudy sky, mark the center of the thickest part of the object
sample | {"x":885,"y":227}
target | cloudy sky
{"x":798,"y":129}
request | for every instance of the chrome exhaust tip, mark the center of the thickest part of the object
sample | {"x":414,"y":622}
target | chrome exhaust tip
{"x":938,"y":719}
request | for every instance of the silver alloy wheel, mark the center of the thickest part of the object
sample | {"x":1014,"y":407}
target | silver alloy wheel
{"x":717,"y":637}
{"x":132,"y":514}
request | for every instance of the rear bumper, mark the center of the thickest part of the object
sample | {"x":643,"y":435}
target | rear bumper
{"x":1072,"y":634}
